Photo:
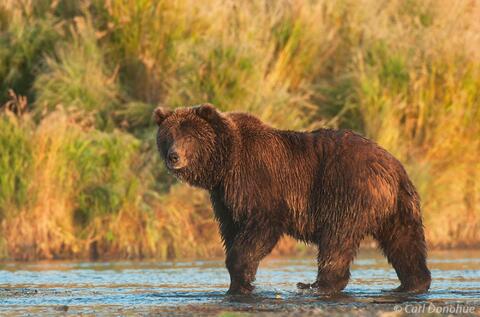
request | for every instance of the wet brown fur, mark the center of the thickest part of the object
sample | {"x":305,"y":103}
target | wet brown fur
{"x":326,"y":187}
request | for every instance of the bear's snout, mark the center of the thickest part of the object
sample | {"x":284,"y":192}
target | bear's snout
{"x":174,"y":159}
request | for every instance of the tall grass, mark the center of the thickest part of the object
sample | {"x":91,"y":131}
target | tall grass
{"x":76,"y":76}
{"x":72,"y":191}
{"x":14,"y":167}
{"x":80,"y":175}
{"x":27,"y":31}
{"x":419,"y":96}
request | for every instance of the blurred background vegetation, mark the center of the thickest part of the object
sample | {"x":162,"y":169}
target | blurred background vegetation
{"x":79,"y":172}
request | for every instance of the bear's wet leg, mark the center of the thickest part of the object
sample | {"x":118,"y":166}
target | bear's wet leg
{"x":244,"y":256}
{"x":403,"y":243}
{"x":334,"y":259}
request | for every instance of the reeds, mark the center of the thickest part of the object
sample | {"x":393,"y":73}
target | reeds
{"x":79,"y":173}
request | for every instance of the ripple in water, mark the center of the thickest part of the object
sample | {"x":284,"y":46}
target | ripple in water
{"x":156,"y":287}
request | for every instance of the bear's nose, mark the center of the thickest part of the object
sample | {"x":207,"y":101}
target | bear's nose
{"x":173,"y":157}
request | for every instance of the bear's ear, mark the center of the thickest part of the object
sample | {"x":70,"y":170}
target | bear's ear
{"x":160,"y":114}
{"x":207,"y":111}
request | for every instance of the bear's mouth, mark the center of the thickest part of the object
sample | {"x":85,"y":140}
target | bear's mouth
{"x":174,"y":168}
{"x":178,"y":172}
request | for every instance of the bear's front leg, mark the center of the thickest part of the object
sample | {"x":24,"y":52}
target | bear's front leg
{"x":242,"y":270}
{"x":243,"y":257}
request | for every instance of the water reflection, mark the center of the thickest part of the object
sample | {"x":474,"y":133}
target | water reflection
{"x":82,"y":286}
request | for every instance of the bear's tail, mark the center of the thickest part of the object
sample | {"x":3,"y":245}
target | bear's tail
{"x":402,"y":240}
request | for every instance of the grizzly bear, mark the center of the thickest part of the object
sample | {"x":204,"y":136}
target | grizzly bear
{"x":327,"y":187}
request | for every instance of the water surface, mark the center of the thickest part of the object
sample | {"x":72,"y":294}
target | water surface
{"x":198,"y":287}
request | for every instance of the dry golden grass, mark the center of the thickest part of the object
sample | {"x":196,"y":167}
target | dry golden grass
{"x":79,"y":173}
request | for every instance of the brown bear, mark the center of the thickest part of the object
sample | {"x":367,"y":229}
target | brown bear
{"x":327,"y":187}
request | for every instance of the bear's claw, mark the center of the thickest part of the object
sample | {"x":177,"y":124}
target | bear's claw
{"x":240,"y":290}
{"x":304,"y":285}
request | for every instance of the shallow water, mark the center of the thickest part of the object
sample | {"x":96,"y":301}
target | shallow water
{"x":198,"y":287}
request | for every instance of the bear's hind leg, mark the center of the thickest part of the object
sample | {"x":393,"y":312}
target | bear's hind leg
{"x":334,"y":259}
{"x":403,"y":243}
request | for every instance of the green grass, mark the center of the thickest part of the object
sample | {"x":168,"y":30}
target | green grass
{"x":22,"y":48}
{"x":79,"y":172}
{"x":15,"y":166}
{"x":76,"y":76}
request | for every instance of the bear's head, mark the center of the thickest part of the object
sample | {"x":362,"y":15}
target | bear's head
{"x":194,"y":143}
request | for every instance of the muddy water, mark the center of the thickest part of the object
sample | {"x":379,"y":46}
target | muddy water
{"x":198,"y":288}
